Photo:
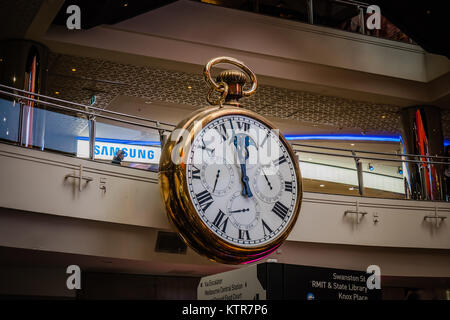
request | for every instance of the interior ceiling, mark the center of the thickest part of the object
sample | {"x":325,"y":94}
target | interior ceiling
{"x":110,"y":81}
{"x":423,"y":21}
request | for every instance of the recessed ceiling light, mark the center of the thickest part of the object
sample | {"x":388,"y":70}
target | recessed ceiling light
{"x":383,"y":116}
{"x":189,"y":87}
{"x":73,"y":69}
{"x":125,"y":5}
{"x":352,"y":144}
{"x":322,"y":185}
{"x":56,"y":92}
{"x":148,"y":102}
{"x":351,"y":188}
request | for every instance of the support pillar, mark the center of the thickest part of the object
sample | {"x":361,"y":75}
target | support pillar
{"x":422,"y":134}
{"x":24,"y":66}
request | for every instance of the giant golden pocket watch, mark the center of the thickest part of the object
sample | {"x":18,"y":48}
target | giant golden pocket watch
{"x":230,"y":183}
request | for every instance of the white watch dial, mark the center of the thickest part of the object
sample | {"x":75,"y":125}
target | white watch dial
{"x":216,"y":175}
{"x":243,"y":212}
{"x":242,"y":180}
{"x":268,"y":184}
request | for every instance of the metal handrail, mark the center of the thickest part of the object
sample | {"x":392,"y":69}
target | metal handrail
{"x":370,"y":152}
{"x":369,"y":158}
{"x":353,"y":3}
{"x":87,"y":107}
{"x":82,"y":111}
{"x":92,"y":114}
{"x":89,"y":112}
{"x":347,"y":168}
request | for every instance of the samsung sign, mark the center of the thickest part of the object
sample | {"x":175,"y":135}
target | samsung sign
{"x":134,"y":151}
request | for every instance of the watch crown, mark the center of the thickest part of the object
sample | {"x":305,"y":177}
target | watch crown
{"x":231,"y":77}
{"x":235,"y":80}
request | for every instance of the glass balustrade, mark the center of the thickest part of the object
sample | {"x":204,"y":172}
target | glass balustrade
{"x":49,"y":124}
{"x":9,"y":120}
{"x":337,"y":173}
{"x":125,"y":145}
{"x":346,"y":15}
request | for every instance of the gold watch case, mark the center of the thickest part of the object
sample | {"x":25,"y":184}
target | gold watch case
{"x":179,"y":207}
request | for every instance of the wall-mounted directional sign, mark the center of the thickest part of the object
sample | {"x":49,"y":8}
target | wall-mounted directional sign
{"x":275,"y":281}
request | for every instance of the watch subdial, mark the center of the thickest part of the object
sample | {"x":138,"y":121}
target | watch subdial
{"x":244,"y":212}
{"x":268,"y":184}
{"x":217,"y":177}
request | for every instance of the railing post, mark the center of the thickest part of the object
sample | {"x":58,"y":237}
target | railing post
{"x":362,"y":21}
{"x":92,"y":125}
{"x":256,"y":6}
{"x":19,"y":136}
{"x":360,"y":174}
{"x":162,"y":136}
{"x":310,"y":11}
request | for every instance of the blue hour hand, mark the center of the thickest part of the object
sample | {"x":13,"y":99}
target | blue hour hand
{"x":243,"y":159}
{"x":246,"y":190}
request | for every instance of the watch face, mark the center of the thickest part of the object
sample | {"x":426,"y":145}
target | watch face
{"x":242,"y":180}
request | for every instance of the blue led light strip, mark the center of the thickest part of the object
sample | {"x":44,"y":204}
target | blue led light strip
{"x":347,"y":137}
{"x":344,"y":137}
{"x":121,"y":141}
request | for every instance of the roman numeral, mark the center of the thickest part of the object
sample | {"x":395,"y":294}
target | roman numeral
{"x":244,"y":234}
{"x":265,"y":139}
{"x":266,"y":227}
{"x":218,"y":221}
{"x":245,"y":126}
{"x":222,"y":131}
{"x":204,"y":199}
{"x":280,"y":210}
{"x":203,"y":144}
{"x":210,"y":151}
{"x":195,"y":173}
{"x":288,"y":186}
{"x":279,"y":161}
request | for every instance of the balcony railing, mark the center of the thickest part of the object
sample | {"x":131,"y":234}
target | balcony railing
{"x":347,"y":15}
{"x":98,"y":134}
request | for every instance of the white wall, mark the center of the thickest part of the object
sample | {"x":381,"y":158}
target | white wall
{"x":37,"y":183}
{"x":400,"y":223}
{"x":253,"y":33}
{"x":110,"y":247}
